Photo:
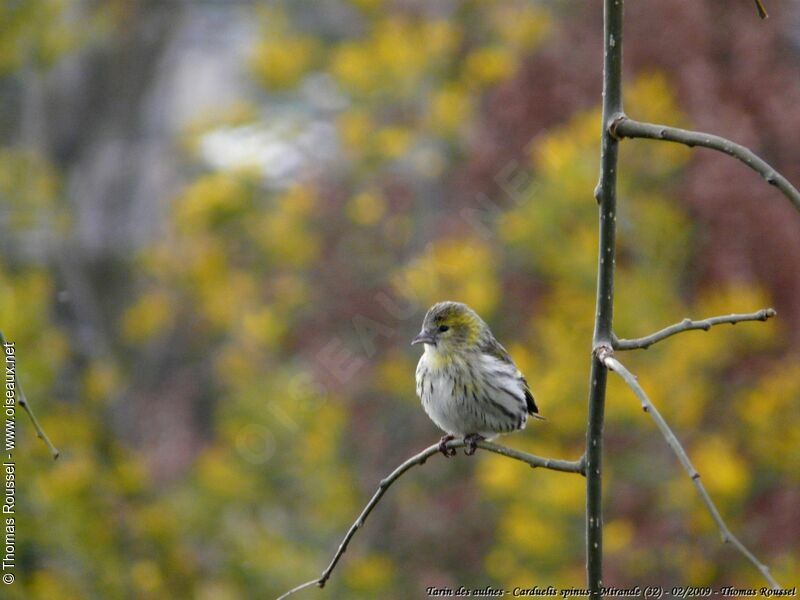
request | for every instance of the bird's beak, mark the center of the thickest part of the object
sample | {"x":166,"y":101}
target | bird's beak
{"x":424,"y":337}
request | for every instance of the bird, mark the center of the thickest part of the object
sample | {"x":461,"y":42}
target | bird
{"x":467,"y":382}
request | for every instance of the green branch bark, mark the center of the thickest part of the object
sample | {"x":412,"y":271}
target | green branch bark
{"x":606,"y":195}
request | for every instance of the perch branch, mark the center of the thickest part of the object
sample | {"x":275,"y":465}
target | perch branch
{"x":566,"y":466}
{"x":727,"y":537}
{"x":688,"y":325}
{"x":23,"y":402}
{"x":624,"y":127}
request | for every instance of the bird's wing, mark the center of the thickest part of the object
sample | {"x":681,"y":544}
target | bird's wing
{"x":533,"y":410}
{"x":494,"y":348}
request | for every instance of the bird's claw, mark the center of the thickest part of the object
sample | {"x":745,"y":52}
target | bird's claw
{"x":472,"y":443}
{"x":448,"y":452}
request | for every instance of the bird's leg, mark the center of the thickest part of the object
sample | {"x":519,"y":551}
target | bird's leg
{"x":448,"y":452}
{"x":472,"y":442}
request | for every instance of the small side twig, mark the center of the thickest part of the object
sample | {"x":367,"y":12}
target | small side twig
{"x":302,"y":586}
{"x":762,"y":10}
{"x":688,"y":325}
{"x":566,"y":466}
{"x":623,"y":127}
{"x":23,"y":402}
{"x":727,"y":537}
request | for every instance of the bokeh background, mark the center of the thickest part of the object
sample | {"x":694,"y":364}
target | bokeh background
{"x":222,"y":223}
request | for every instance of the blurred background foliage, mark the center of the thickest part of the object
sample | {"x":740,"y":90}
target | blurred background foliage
{"x":223,"y":222}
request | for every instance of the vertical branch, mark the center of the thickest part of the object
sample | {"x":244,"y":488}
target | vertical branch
{"x":606,"y":195}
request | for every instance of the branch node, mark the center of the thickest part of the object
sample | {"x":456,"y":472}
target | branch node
{"x":603,"y":351}
{"x":725,"y":538}
{"x":613,"y":126}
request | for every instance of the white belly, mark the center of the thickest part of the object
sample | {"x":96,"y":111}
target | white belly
{"x":487,"y":400}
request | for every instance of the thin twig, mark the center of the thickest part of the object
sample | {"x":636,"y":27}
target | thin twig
{"x":23,"y":402}
{"x":302,"y":586}
{"x":566,"y":466}
{"x":687,"y":325}
{"x":624,"y":127}
{"x":727,"y":537}
{"x":762,"y":10}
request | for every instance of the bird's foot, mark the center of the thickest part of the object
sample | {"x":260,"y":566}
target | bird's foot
{"x":448,"y":452}
{"x":472,"y":442}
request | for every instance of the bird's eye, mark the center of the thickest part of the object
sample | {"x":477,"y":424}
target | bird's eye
{"x":443,"y":328}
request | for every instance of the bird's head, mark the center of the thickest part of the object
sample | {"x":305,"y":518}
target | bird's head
{"x":451,"y":327}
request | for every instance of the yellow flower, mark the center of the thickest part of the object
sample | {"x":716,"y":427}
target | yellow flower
{"x":284,"y":232}
{"x":455,"y":269}
{"x":489,"y":65}
{"x":149,"y":315}
{"x":618,"y":535}
{"x":450,"y":108}
{"x":521,"y":28}
{"x":355,"y":128}
{"x":281,"y":61}
{"x":262,"y":327}
{"x":368,"y":5}
{"x":724,"y":474}
{"x":221,"y":475}
{"x":355,"y":68}
{"x":210,"y":200}
{"x":393,"y":142}
{"x":146,"y":577}
{"x":100,"y":380}
{"x":366,"y":208}
{"x":440,"y":38}
{"x":298,"y":201}
{"x":499,"y":476}
{"x":394,"y":376}
{"x":370,"y":574}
